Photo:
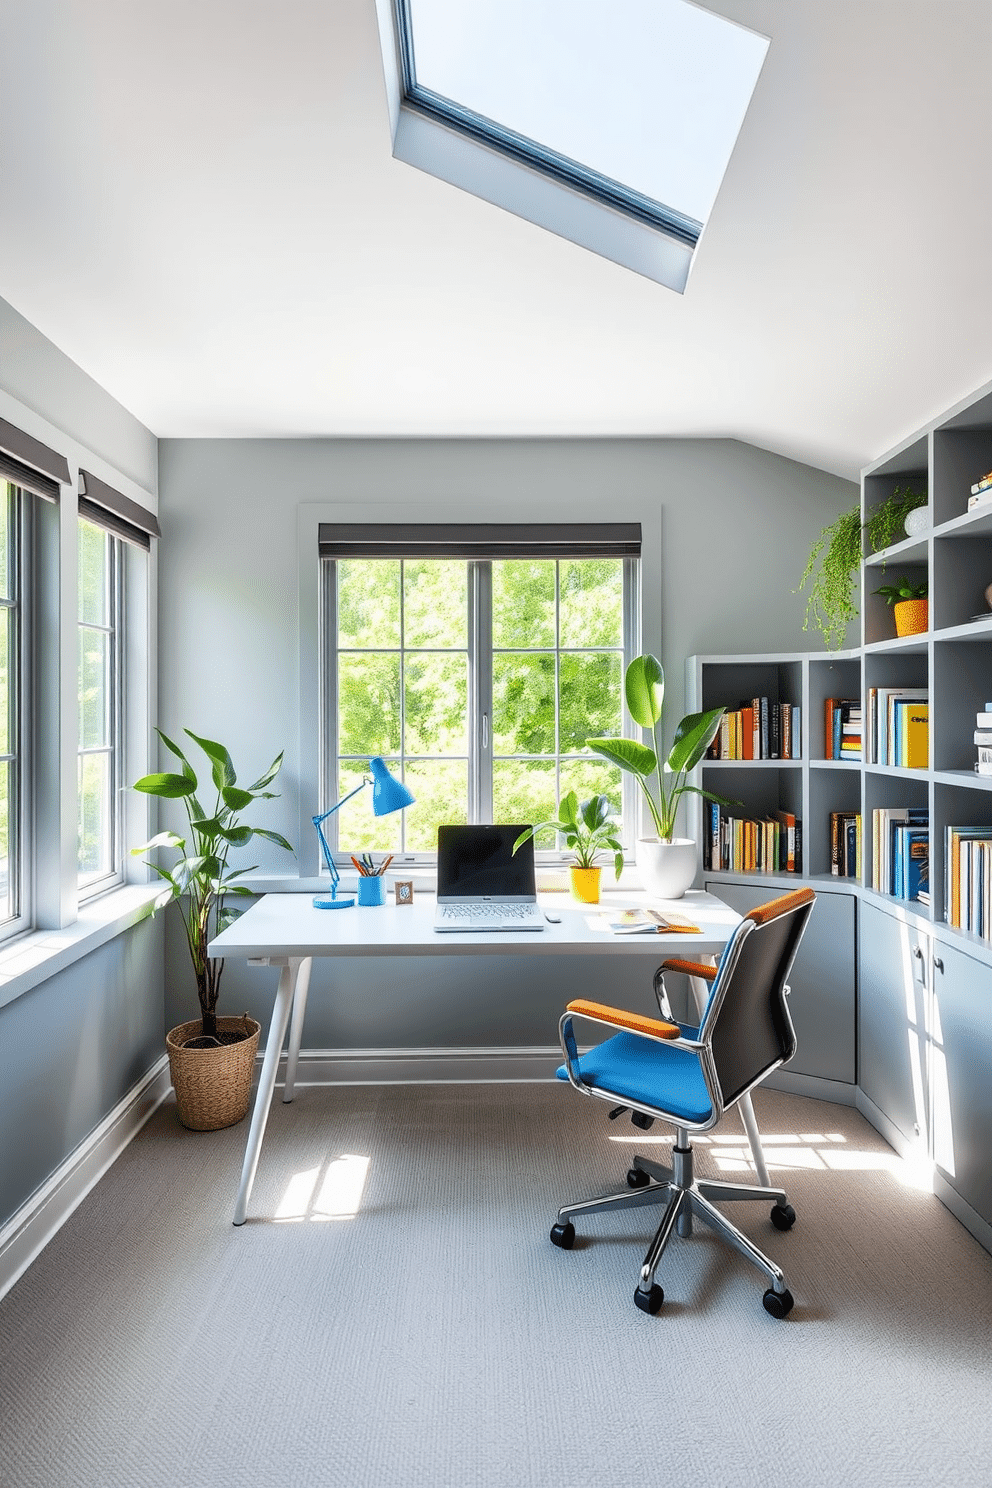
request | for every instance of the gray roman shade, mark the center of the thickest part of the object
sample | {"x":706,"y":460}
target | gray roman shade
{"x":480,"y":540}
{"x":102,"y":505}
{"x":30,"y":464}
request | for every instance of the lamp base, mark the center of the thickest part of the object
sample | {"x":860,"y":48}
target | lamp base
{"x":321,"y":901}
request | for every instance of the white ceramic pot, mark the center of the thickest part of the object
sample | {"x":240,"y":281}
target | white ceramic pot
{"x":917,"y":521}
{"x":667,"y":868}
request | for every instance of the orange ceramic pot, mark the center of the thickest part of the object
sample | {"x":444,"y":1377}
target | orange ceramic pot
{"x":585,"y":884}
{"x":912,"y":616}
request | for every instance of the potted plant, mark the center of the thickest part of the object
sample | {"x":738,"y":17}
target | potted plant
{"x":835,"y":559}
{"x":588,"y":829}
{"x":668,"y":862}
{"x":211,"y":1059}
{"x":909,"y":605}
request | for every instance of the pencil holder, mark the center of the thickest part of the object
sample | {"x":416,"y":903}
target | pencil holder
{"x":372,"y":890}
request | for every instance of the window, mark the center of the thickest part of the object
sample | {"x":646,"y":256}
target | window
{"x":99,"y":769}
{"x":610,"y":126}
{"x":13,"y":684}
{"x":477,"y":679}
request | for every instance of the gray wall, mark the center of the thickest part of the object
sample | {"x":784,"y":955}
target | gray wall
{"x":736,"y":525}
{"x":73,"y":1046}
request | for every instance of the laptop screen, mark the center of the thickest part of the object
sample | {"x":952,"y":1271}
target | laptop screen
{"x":478,"y":862}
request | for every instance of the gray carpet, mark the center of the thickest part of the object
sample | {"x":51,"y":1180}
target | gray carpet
{"x":437,"y":1338}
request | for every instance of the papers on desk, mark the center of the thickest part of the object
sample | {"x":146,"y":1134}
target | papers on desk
{"x":643,"y":922}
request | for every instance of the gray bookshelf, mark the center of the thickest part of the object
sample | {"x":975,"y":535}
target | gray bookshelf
{"x":917,"y":1014}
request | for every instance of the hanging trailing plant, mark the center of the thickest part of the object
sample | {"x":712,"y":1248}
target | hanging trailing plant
{"x":835,"y":558}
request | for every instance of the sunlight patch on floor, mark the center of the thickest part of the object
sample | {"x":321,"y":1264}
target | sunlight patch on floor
{"x":326,"y":1192}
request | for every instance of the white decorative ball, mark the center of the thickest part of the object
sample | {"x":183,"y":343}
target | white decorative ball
{"x":918,"y":521}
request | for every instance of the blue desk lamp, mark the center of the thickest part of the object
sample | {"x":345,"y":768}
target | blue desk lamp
{"x":388,"y":794}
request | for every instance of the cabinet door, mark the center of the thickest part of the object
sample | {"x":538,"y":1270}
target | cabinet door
{"x":961,"y":1076}
{"x":822,"y":981}
{"x":892,"y":1034}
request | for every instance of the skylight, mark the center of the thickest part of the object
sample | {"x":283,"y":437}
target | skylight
{"x":611,"y":126}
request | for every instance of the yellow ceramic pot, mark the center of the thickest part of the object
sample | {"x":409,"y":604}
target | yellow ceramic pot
{"x":911,"y":616}
{"x":585,"y":884}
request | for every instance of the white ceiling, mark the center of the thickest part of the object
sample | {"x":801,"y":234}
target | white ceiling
{"x":200,"y":208}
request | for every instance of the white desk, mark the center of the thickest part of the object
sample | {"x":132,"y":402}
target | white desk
{"x":285,"y":930}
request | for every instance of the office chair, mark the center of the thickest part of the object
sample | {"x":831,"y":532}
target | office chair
{"x":689,"y":1077}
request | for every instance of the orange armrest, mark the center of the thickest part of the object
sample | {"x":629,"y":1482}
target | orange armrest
{"x":622,"y":1019}
{"x":690,"y":968}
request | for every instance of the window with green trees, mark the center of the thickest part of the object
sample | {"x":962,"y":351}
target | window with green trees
{"x":478,"y":682}
{"x":12,"y":681}
{"x":100,"y":706}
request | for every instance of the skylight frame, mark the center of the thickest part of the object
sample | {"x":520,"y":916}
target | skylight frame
{"x":473,"y":152}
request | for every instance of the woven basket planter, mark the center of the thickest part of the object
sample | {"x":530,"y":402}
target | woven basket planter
{"x":911,"y":616}
{"x":213,"y":1086}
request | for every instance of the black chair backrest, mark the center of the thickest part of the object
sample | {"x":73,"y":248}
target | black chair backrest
{"x":748,"y":1017}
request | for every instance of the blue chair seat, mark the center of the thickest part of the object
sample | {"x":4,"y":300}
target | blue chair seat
{"x":652,"y":1074}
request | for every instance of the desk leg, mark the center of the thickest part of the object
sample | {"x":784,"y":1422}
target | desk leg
{"x":266,"y":1084}
{"x":700,"y":991}
{"x":296,"y":1028}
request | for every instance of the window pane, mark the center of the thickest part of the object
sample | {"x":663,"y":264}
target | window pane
{"x":523,"y":704}
{"x":441,"y":791}
{"x":435,"y":604}
{"x":8,"y":907}
{"x":94,"y":851}
{"x":524,"y":791}
{"x":590,"y":777}
{"x":6,"y":520}
{"x":590,"y":698}
{"x":369,"y":704}
{"x":94,"y":688}
{"x":94,"y":575}
{"x":524,"y":603}
{"x":368,"y":602}
{"x":436,"y":698}
{"x":591,"y":602}
{"x":5,"y":676}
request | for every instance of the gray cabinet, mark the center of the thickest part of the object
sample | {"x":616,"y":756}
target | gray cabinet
{"x":892,"y":1020}
{"x":823,"y":980}
{"x":961,"y":1076}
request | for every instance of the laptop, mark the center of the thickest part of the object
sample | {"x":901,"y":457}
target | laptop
{"x":482,"y":884}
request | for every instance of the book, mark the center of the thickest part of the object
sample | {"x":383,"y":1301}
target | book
{"x":914,"y":749}
{"x":984,"y":483}
{"x":787,"y":853}
{"x":644,"y":922}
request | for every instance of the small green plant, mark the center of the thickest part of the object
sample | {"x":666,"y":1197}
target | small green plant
{"x":644,"y":685}
{"x":200,"y":879}
{"x":835,"y":557}
{"x":904,"y":589}
{"x":588,"y":829}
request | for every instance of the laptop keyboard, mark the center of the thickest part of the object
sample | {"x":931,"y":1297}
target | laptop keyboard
{"x":486,"y":913}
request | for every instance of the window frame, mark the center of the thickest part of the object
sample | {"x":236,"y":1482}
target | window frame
{"x":117,"y":706}
{"x":20,"y":831}
{"x":481,"y":651}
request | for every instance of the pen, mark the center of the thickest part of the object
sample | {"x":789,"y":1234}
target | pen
{"x":385,"y":865}
{"x":359,"y":866}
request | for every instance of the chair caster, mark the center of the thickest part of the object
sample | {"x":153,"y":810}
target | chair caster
{"x":783,"y":1216}
{"x":779,"y":1304}
{"x":563,"y":1235}
{"x":637,"y":1178}
{"x":650,"y":1301}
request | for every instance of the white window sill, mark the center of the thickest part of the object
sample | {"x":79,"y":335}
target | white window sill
{"x":33,"y":958}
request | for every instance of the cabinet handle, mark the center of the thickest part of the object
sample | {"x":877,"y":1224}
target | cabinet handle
{"x":938,"y":963}
{"x":918,"y":953}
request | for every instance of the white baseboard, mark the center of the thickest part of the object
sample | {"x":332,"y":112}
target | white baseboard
{"x":422,"y":1066}
{"x":838,"y":1092}
{"x":29,"y":1230}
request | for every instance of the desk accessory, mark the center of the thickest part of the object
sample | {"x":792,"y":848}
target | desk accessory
{"x":388,"y":795}
{"x":371,"y":889}
{"x":404,"y":891}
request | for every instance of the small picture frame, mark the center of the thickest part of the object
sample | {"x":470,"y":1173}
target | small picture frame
{"x":403,"y":889}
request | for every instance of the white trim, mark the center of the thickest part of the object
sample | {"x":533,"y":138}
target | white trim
{"x":814,"y":1087}
{"x":29,"y":1230}
{"x":422,"y":1066}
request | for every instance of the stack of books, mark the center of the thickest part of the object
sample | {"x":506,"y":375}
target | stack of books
{"x":968,"y":879}
{"x":845,"y":844}
{"x":842,"y":728}
{"x":770,"y":844}
{"x":760,"y":728}
{"x":983,"y":740}
{"x":900,"y":839}
{"x":899,"y":727}
{"x":981,"y":492}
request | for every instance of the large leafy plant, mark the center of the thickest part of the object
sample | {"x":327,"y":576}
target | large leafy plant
{"x":663,"y":782}
{"x":588,"y":829}
{"x":200,"y":879}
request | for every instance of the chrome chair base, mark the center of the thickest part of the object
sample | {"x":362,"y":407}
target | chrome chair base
{"x":683,"y":1196}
